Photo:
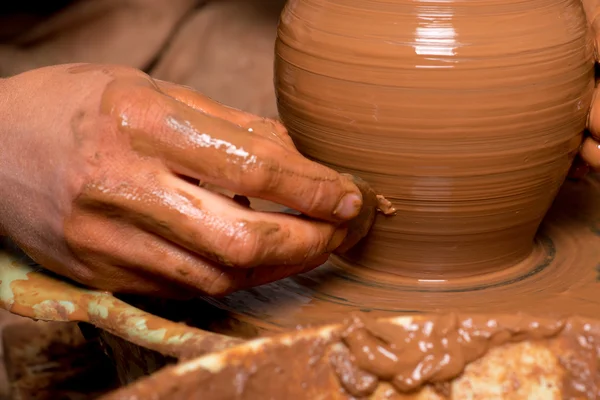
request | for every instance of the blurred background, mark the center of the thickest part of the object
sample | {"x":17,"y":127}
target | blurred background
{"x":222,"y":48}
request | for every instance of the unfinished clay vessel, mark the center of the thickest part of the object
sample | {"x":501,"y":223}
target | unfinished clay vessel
{"x":466,"y":114}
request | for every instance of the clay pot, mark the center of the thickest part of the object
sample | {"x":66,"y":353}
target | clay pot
{"x":465,"y":114}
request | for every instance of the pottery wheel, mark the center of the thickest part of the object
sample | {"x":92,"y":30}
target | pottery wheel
{"x":559,"y":277}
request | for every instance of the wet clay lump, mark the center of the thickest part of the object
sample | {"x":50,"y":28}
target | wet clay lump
{"x":455,"y":356}
{"x":466,"y":115}
{"x":437,"y":350}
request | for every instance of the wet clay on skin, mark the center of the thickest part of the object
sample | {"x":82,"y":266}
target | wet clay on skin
{"x":196,"y":238}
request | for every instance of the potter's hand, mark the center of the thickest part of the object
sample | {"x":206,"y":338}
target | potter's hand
{"x":590,"y":149}
{"x":96,"y":171}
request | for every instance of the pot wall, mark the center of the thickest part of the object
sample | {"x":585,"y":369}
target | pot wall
{"x":465,"y":114}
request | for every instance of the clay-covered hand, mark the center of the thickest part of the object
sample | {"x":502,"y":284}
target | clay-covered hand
{"x":99,"y":171}
{"x":590,"y":149}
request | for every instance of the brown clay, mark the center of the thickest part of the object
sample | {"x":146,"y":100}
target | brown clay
{"x":559,"y":278}
{"x":429,"y":357}
{"x":468,"y":132}
{"x":471,"y":182}
{"x":359,"y":227}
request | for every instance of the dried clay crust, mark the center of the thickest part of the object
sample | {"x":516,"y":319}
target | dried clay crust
{"x":445,"y":357}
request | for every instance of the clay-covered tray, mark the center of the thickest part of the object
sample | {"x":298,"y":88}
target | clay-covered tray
{"x":419,"y":357}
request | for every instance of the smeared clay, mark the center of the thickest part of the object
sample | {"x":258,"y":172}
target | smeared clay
{"x":436,"y":350}
{"x":357,"y":228}
{"x":360,"y":226}
{"x":431,"y":357}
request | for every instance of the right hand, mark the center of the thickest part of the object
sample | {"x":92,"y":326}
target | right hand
{"x":98,"y":171}
{"x":589,"y":151}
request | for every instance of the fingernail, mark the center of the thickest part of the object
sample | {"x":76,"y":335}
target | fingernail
{"x":349,"y":206}
{"x":337,"y":239}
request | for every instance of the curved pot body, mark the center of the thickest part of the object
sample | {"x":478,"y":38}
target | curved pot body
{"x":465,"y":114}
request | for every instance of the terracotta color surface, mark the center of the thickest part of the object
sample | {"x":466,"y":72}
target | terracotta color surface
{"x":560,"y":277}
{"x":428,"y":357}
{"x":469,"y":132}
{"x":467,"y":115}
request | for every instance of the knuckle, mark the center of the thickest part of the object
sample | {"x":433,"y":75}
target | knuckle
{"x":322,"y":236}
{"x":80,"y":236}
{"x":316,"y":197}
{"x":266,"y":173}
{"x":262,"y":180}
{"x":139,"y":110}
{"x":244,"y":246}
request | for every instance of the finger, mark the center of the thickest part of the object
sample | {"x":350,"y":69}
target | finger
{"x":117,"y":278}
{"x":272,"y":130}
{"x":93,"y":263}
{"x":140,"y":253}
{"x":590,"y":153}
{"x":215,"y":226}
{"x":218,"y":152}
{"x":265,"y":127}
{"x":594,"y":116}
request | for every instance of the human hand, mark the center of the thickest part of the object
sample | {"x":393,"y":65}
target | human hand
{"x":589,"y":154}
{"x":99,"y":172}
{"x":588,"y":157}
